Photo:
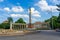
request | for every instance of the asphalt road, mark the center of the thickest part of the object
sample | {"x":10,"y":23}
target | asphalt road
{"x":43,"y":35}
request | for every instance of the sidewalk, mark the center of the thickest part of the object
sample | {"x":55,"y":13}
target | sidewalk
{"x":18,"y":33}
{"x":8,"y":32}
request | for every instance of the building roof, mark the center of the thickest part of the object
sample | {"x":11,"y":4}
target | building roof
{"x":6,"y":21}
{"x":38,"y":23}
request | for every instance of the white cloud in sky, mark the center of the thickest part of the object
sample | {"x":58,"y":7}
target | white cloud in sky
{"x":33,"y":19}
{"x":1,"y":0}
{"x":13,"y":9}
{"x":53,"y":8}
{"x":36,"y":15}
{"x":19,"y":15}
{"x":7,"y":9}
{"x":43,"y":5}
{"x":17,"y":9}
{"x":55,"y":1}
{"x":35,"y":12}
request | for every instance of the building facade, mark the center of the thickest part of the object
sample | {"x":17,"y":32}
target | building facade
{"x":40,"y":25}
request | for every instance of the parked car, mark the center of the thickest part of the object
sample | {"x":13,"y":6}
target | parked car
{"x":57,"y":30}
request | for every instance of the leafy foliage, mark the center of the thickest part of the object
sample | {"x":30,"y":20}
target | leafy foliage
{"x":10,"y":19}
{"x":20,"y":20}
{"x":6,"y":25}
{"x":56,"y":21}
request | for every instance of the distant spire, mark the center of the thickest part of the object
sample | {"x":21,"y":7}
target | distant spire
{"x":29,"y":9}
{"x":30,"y":17}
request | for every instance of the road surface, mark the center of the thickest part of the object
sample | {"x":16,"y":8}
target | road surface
{"x":43,"y":35}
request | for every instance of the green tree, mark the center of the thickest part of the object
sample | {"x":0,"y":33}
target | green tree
{"x":6,"y":24}
{"x":58,"y":19}
{"x":1,"y":26}
{"x":10,"y":19}
{"x":20,"y":20}
{"x":47,"y":20}
{"x":54,"y":18}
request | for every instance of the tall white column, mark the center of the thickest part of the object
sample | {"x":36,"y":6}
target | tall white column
{"x":10,"y":25}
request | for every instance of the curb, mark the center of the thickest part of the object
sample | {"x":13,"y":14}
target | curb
{"x":11,"y":34}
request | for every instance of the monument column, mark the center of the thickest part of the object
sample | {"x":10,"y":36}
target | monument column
{"x":10,"y":25}
{"x":29,"y":18}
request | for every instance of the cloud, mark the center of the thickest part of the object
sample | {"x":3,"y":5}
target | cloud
{"x":17,"y":9}
{"x":36,"y":15}
{"x":19,"y":15}
{"x":33,"y":19}
{"x":7,"y":9}
{"x":53,"y":8}
{"x":1,"y":0}
{"x":13,"y":9}
{"x":35,"y":12}
{"x":55,"y":1}
{"x":43,"y":5}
